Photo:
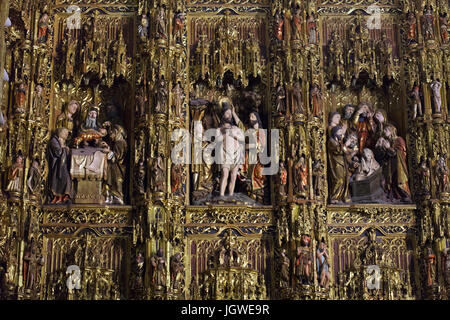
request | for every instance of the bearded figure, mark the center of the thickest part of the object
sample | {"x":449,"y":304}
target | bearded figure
{"x":91,"y":120}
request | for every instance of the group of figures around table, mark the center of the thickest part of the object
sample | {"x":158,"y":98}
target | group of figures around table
{"x":367,"y":159}
{"x":87,"y":154}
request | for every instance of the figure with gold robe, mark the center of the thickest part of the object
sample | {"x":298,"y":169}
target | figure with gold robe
{"x":34,"y":178}
{"x":202,"y":164}
{"x":282,"y":180}
{"x":60,"y":182}
{"x":392,"y":150}
{"x":338,"y":167}
{"x":115,"y":173}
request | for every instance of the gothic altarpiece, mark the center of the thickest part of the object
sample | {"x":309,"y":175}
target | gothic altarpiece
{"x":93,"y":94}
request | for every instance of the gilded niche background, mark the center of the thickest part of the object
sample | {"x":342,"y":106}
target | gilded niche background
{"x":349,"y":97}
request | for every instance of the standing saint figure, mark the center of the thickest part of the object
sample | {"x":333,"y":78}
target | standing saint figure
{"x":43,"y":28}
{"x":312,"y":29}
{"x":158,"y":177}
{"x":339,"y":174}
{"x":159,"y":270}
{"x":303,"y":262}
{"x":20,"y":98}
{"x":161,"y":96}
{"x":176,"y":270}
{"x":60,"y":182}
{"x":231,"y":154}
{"x":178,"y":27}
{"x":15,"y":175}
{"x":297,"y":95}
{"x":257,"y":144}
{"x":141,"y":101}
{"x":143,"y":28}
{"x":202,"y":162}
{"x":364,"y":124}
{"x":176,"y":178}
{"x":323,"y":271}
{"x":178,"y":99}
{"x":316,"y":98}
{"x":279,"y":27}
{"x":282,"y":180}
{"x":442,"y":174}
{"x":436,"y":89}
{"x":281,"y":99}
{"x":412,"y":27}
{"x":38,"y":101}
{"x":397,"y":174}
{"x":428,"y":23}
{"x":161,"y":29}
{"x":416,"y":95}
{"x":284,"y":269}
{"x":115,"y":172}
{"x":297,"y":21}
{"x":317,"y":172}
{"x":34,"y":178}
{"x":443,"y":21}
{"x":424,"y":178}
{"x":300,"y":177}
{"x":66,"y":119}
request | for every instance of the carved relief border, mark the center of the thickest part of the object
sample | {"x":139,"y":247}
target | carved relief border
{"x":340,"y":217}
{"x":226,"y":214}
